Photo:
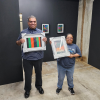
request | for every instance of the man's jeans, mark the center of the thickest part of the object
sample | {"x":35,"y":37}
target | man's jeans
{"x":61,"y":74}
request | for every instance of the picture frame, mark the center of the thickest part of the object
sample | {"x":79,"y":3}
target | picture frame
{"x":45,"y":28}
{"x":60,"y":28}
{"x":33,"y":42}
{"x":59,"y":47}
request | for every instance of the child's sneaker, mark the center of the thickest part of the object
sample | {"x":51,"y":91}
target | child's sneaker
{"x":71,"y":91}
{"x":58,"y":90}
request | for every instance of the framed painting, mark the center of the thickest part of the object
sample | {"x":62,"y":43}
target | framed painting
{"x":45,"y":28}
{"x":59,"y":47}
{"x":33,"y":42}
{"x":60,"y":28}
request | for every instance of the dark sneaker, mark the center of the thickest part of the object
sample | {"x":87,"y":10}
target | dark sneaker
{"x":27,"y":94}
{"x":71,"y":91}
{"x":41,"y":91}
{"x":58,"y":90}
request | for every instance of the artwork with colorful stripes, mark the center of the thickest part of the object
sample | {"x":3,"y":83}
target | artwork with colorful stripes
{"x":34,"y":42}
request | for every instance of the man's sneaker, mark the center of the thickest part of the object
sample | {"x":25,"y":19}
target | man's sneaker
{"x":71,"y":91}
{"x":58,"y":90}
{"x":41,"y":91}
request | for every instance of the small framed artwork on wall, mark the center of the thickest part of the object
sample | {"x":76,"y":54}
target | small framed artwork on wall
{"x":45,"y":28}
{"x":60,"y":28}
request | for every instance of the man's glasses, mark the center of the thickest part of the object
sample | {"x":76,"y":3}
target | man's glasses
{"x":32,"y":21}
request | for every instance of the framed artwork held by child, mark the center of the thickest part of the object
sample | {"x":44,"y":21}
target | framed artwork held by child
{"x":59,"y":47}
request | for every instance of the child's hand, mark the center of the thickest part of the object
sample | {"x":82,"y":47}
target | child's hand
{"x":71,"y":56}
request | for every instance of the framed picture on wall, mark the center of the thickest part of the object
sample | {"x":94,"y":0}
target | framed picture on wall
{"x":45,"y":28}
{"x":60,"y":28}
{"x":33,"y":42}
{"x":59,"y":47}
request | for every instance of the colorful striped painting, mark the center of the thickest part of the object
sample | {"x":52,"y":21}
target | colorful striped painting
{"x":34,"y":42}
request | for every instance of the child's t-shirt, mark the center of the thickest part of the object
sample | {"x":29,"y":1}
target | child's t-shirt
{"x":67,"y":62}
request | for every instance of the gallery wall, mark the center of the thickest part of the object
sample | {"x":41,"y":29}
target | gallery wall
{"x":94,"y":50}
{"x":10,"y":53}
{"x":51,"y":12}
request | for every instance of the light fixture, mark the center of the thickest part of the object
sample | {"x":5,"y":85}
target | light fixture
{"x":21,"y":22}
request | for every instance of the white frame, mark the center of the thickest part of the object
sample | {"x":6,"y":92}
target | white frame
{"x":62,"y":28}
{"x":48,"y":28}
{"x":66,"y":53}
{"x":25,"y":49}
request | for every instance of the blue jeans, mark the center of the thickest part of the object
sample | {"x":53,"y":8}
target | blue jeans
{"x":61,"y":74}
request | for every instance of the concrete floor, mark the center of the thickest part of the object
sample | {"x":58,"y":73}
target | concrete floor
{"x":86,"y":85}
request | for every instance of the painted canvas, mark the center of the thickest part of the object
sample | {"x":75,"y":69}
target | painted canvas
{"x":45,"y":28}
{"x":60,"y":28}
{"x":59,"y":47}
{"x":34,"y":42}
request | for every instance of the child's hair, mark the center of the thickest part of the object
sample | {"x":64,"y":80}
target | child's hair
{"x":69,"y":34}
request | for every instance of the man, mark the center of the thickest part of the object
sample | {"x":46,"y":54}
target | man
{"x":31,"y":59}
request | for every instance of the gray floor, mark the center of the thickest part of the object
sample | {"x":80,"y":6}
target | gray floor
{"x":86,"y":85}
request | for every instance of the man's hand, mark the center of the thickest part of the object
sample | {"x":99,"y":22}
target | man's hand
{"x":50,"y":42}
{"x":22,"y":41}
{"x":19,"y":42}
{"x":71,"y":56}
{"x":44,"y":39}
